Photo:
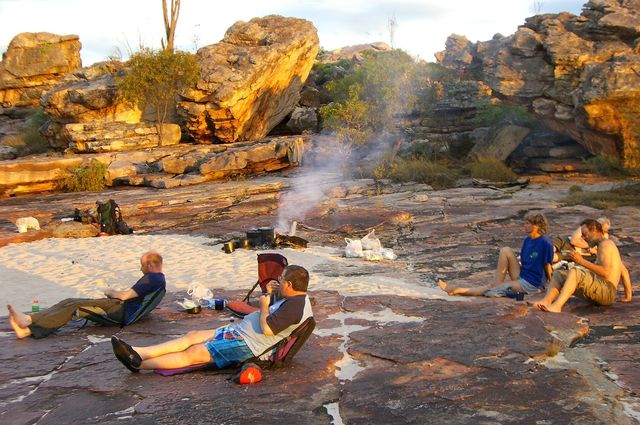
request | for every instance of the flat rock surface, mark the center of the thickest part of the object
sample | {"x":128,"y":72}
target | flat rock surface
{"x":372,"y":359}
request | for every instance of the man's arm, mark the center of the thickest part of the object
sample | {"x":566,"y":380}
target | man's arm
{"x":264,"y":313}
{"x":548,"y":271}
{"x":626,"y":282}
{"x":121,"y":295}
{"x":601,"y":270}
{"x":577,"y":241}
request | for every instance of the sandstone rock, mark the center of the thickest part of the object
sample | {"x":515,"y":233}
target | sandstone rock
{"x":72,"y":229}
{"x":558,"y":165}
{"x":303,"y":119}
{"x":8,"y":152}
{"x":251,"y":80}
{"x":115,"y":136}
{"x":310,"y":97}
{"x":577,"y":73}
{"x":354,"y":52}
{"x":502,"y":144}
{"x":569,"y":151}
{"x":33,"y":63}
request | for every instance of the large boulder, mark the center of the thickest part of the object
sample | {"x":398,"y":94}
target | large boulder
{"x":90,"y":95}
{"x":33,"y":63}
{"x":578,"y":74}
{"x":354,"y":52}
{"x":251,"y":80}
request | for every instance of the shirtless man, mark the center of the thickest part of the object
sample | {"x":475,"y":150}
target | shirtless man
{"x":595,"y":282}
{"x":527,"y":275}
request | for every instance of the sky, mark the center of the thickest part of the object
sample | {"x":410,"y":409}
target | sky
{"x":118,"y":27}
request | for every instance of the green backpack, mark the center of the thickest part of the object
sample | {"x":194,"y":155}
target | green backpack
{"x":110,"y":218}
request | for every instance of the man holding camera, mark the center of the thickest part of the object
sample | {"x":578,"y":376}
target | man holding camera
{"x":595,"y":282}
{"x":229,"y":345}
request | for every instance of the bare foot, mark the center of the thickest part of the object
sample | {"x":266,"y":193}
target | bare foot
{"x":443,"y":285}
{"x":23,"y":320}
{"x":547,"y":307}
{"x":21,"y":331}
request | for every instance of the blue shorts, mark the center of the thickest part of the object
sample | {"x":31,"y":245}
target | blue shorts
{"x":227,"y":347}
{"x":501,"y":290}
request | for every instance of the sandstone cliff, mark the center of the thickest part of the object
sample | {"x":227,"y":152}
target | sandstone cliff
{"x":33,"y":63}
{"x":251,"y":80}
{"x":578,"y":74}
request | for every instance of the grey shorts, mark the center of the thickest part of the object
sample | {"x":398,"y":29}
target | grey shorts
{"x":501,"y":290}
{"x":591,"y":286}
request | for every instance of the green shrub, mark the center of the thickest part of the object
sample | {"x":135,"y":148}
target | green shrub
{"x":501,"y":113}
{"x":575,"y":189}
{"x":628,"y":195}
{"x":28,"y":140}
{"x":491,"y":169}
{"x":611,"y":167}
{"x":89,"y":178}
{"x":369,"y":98}
{"x":435,"y":174}
{"x":156,"y":77}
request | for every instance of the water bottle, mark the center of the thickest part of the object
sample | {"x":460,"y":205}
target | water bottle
{"x":35,"y":306}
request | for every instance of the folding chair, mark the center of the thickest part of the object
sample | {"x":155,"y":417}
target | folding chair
{"x":149,"y":302}
{"x":282,"y":353}
{"x":270,"y":267}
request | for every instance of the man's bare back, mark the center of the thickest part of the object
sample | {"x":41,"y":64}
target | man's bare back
{"x":609,"y":258}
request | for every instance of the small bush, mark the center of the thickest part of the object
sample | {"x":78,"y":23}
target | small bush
{"x":29,"y":140}
{"x":89,"y":178}
{"x":575,"y":189}
{"x":435,"y":174}
{"x":610,"y":167}
{"x":502,"y":113}
{"x":628,"y":195}
{"x":491,"y":169}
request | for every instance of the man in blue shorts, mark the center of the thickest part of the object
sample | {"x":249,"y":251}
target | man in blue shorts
{"x":527,"y":275}
{"x":232,"y":344}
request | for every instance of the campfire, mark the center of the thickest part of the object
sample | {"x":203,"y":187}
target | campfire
{"x":266,"y":238}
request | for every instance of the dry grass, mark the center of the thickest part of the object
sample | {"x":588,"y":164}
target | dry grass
{"x":491,"y":169}
{"x":628,"y":195}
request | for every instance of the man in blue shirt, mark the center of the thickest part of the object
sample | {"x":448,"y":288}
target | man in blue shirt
{"x":117,"y":304}
{"x":527,"y":275}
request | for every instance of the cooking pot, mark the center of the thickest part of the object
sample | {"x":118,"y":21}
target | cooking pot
{"x":229,"y":247}
{"x":268,"y":235}
{"x":254,"y":237}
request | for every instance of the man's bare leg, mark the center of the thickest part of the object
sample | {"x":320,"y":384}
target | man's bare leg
{"x":508,"y":264}
{"x":193,"y":355}
{"x":176,"y":345}
{"x":568,"y":288}
{"x":471,"y":292}
{"x":19,"y":322}
{"x":552,"y":292}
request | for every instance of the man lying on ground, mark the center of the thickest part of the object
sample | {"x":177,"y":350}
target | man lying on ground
{"x":595,"y":282}
{"x":528,"y":275}
{"x":117,"y":304}
{"x":232,"y":344}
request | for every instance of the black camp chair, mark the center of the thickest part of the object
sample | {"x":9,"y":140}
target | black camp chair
{"x":149,"y":302}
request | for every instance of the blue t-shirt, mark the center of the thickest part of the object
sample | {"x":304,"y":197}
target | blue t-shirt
{"x":148,"y":283}
{"x":534,"y":255}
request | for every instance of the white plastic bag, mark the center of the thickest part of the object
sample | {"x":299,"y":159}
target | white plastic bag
{"x":370,"y":242}
{"x":388,"y":254}
{"x":198,"y":291}
{"x":353,"y":248}
{"x":372,"y":255}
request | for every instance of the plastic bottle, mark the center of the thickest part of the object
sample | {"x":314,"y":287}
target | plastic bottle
{"x":35,"y":306}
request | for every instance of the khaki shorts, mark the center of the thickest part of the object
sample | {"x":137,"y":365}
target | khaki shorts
{"x":592,"y":287}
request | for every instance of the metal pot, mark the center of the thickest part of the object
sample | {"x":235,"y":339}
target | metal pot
{"x":254,"y":237}
{"x":229,"y":247}
{"x":268,"y":235}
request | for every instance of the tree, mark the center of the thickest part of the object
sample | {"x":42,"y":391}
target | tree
{"x":156,"y":77}
{"x":371,"y":98}
{"x":170,"y":22}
